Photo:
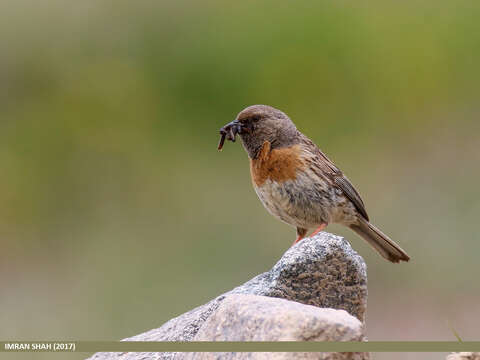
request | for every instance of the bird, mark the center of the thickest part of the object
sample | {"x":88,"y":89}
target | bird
{"x":297,"y":183}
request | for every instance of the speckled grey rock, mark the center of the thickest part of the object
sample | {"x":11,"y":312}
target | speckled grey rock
{"x":261,"y":318}
{"x":323,"y":271}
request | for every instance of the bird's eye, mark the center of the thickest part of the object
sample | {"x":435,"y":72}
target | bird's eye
{"x":255,"y":118}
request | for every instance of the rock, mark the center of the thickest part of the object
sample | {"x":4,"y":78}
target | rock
{"x":323,"y":271}
{"x":260,"y":318}
{"x":183,"y":327}
{"x":464,"y":356}
{"x":269,"y":319}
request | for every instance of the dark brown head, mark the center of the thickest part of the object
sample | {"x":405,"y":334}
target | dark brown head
{"x":257,"y":124}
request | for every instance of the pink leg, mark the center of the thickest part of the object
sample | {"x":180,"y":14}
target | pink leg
{"x":299,"y":237}
{"x":320,"y":228}
{"x":301,"y":232}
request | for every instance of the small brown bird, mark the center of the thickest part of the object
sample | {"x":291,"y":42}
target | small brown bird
{"x":297,"y":183}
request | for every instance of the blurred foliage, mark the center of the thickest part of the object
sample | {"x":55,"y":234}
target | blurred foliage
{"x":116,"y":211}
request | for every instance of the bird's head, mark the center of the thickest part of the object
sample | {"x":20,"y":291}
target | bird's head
{"x":257,"y":124}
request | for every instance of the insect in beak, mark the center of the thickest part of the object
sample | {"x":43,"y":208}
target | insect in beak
{"x":230,"y":132}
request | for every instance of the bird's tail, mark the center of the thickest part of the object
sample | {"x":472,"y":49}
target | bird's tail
{"x":380,"y":242}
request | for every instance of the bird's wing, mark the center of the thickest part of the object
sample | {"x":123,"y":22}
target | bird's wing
{"x":336,"y":177}
{"x":343,"y":183}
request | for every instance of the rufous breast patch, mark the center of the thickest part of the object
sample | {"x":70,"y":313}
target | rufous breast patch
{"x":278,"y":164}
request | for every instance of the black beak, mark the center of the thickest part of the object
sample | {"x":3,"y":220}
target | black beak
{"x":229,"y":132}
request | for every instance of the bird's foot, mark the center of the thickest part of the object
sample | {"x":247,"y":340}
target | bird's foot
{"x":320,"y":228}
{"x":300,"y":237}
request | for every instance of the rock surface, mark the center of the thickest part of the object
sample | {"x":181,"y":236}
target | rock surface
{"x":263,"y":318}
{"x":464,"y":356}
{"x":323,"y":271}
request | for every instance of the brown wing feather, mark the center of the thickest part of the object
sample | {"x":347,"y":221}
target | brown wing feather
{"x":343,"y":183}
{"x":336,"y":176}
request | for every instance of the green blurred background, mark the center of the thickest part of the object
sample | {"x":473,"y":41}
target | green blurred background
{"x":117,"y":212}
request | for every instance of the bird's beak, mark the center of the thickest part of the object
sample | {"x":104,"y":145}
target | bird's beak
{"x":229,"y":132}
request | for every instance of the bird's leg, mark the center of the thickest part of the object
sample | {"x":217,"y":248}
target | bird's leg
{"x":300,"y":234}
{"x":320,"y":228}
{"x":299,"y":237}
